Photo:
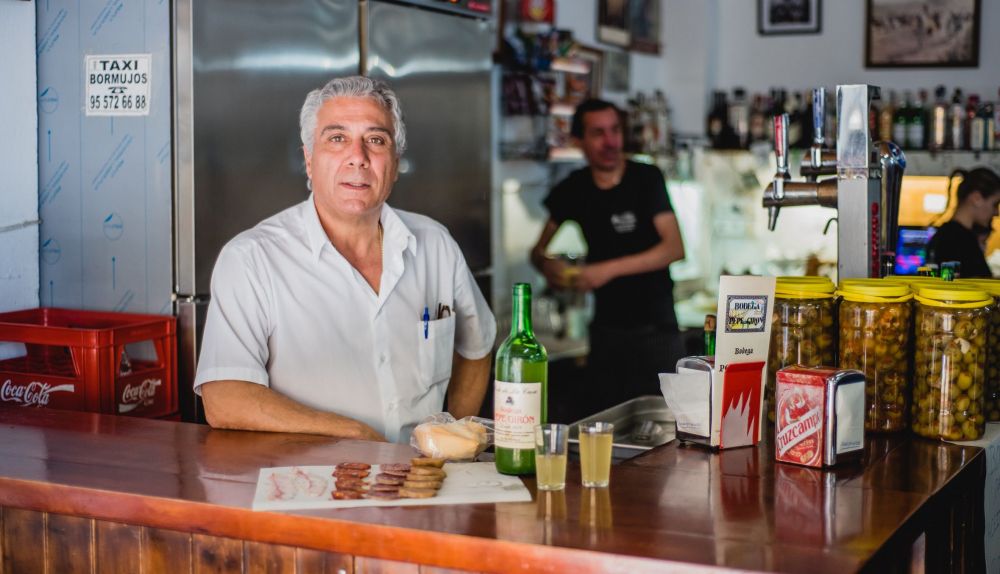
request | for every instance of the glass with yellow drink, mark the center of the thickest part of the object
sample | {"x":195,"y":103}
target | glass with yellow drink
{"x":595,"y":453}
{"x":551,"y":442}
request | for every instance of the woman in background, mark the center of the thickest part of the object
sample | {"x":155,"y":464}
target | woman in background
{"x":963,"y":238}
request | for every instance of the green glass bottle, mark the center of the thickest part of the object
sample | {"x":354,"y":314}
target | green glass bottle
{"x":709,"y":334}
{"x":520,"y":395}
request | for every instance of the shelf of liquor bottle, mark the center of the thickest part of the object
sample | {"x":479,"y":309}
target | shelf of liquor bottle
{"x":943,"y":162}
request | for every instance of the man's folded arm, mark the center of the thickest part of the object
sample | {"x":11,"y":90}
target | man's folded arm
{"x":249,"y":406}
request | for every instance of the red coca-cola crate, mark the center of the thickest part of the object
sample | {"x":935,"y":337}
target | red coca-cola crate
{"x":114,"y":363}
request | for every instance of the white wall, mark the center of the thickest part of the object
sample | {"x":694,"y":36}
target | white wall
{"x":836,"y":55}
{"x":685,"y":67}
{"x":18,"y":157}
{"x":713,"y":44}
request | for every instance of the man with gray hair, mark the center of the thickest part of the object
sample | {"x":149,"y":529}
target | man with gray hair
{"x":341,"y":315}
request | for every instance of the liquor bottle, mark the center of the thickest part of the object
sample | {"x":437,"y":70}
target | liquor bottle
{"x":717,"y":119}
{"x":885,"y":118}
{"x":956,"y":122}
{"x":915,"y":128}
{"x":938,"y":124}
{"x":520,"y":396}
{"x":663,"y":125}
{"x":758,"y":119}
{"x":795,"y":120}
{"x":989,"y":133}
{"x":739,"y":116}
{"x":971,"y":111}
{"x":901,"y":122}
{"x":996,"y":122}
{"x":978,"y":126}
{"x":709,"y":350}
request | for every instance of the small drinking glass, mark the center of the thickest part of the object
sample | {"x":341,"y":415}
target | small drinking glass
{"x":550,"y":456}
{"x":595,"y":453}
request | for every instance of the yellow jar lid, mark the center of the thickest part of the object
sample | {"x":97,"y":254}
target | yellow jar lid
{"x":908,"y":279}
{"x":991,"y":286}
{"x":803,"y":288}
{"x":952,"y":295}
{"x":874,"y":291}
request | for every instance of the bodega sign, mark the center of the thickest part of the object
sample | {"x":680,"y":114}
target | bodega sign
{"x":118,"y":85}
{"x":746,"y":313}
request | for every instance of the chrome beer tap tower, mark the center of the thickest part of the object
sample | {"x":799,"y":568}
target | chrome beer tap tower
{"x":865,"y":191}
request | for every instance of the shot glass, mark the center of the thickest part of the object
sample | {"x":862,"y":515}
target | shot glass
{"x":550,"y":456}
{"x":595,"y":453}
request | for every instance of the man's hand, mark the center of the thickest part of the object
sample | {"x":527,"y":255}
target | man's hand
{"x":557,"y":274}
{"x":365,"y":432}
{"x":594,"y":276}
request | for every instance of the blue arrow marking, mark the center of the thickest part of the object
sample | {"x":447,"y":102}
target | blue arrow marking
{"x":44,"y":92}
{"x":108,"y":218}
{"x":114,"y":274}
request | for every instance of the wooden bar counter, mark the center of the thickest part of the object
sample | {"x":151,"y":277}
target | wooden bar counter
{"x":92,"y":493}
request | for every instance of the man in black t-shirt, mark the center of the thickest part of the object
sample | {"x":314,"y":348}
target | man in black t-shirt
{"x":959,"y":239}
{"x":632,"y":235}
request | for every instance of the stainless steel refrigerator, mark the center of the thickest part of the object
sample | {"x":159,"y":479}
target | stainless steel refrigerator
{"x":241,"y":72}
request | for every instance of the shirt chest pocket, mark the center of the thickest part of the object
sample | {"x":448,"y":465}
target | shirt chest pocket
{"x":435,"y":344}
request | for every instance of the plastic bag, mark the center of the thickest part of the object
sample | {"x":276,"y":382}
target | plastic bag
{"x":441,"y":436}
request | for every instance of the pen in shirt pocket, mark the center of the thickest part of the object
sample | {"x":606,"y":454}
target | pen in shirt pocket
{"x":427,"y":320}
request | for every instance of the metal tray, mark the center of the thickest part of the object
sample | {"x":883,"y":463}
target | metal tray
{"x":640,"y":424}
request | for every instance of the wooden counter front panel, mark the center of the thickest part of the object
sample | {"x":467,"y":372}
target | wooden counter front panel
{"x":39,"y":542}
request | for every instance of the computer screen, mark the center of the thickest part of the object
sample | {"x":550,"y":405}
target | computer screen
{"x":911,"y":248}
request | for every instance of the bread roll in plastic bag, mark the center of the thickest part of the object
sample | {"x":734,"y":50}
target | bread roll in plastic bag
{"x":441,"y":436}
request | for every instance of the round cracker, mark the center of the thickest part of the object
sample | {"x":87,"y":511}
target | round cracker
{"x":428,"y":471}
{"x":412,"y":492}
{"x":426,"y":461}
{"x":430,"y":484}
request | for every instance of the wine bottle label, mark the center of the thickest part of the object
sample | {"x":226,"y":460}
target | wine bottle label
{"x":517,"y":408}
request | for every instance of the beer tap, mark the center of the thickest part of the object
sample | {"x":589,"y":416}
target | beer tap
{"x":819,"y":160}
{"x":866,"y":189}
{"x":782,"y":192}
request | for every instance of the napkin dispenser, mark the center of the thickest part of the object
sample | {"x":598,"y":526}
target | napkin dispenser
{"x":715,"y":408}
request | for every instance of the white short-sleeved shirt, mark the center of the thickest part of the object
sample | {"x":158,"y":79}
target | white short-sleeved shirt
{"x":288,"y":311}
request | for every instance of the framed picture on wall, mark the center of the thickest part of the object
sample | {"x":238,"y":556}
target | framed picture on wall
{"x":922,"y":33}
{"x":616,"y":71}
{"x":644,"y":25}
{"x":788,"y":17}
{"x":612,"y":22}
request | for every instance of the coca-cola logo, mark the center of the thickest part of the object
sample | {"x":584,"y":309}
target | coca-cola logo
{"x":141,"y":394}
{"x":33,"y":394}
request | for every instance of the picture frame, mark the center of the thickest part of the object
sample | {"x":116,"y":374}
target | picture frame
{"x":644,"y":26}
{"x":783,"y":17}
{"x":616,"y":71}
{"x":923,"y":34}
{"x":612,"y":22}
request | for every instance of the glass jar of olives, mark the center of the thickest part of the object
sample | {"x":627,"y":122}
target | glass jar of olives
{"x":874,"y":337}
{"x":992,"y":400}
{"x":802,"y":329}
{"x":950,"y":361}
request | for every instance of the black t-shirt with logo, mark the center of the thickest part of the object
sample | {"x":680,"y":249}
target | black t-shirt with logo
{"x":617,"y":222}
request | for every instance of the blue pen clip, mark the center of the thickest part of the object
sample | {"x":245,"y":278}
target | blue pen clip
{"x":427,"y":320}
